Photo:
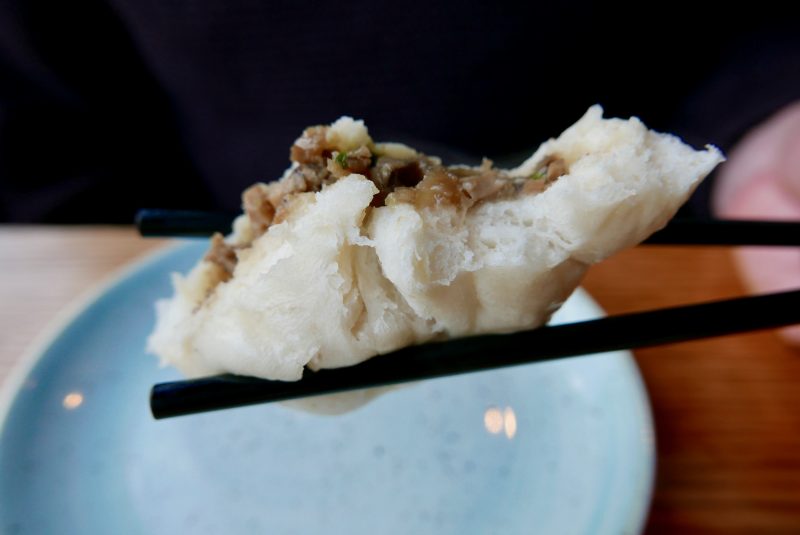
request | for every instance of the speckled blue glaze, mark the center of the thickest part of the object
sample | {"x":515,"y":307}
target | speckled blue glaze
{"x":417,"y":460}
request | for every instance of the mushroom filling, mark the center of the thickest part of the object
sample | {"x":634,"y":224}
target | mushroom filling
{"x":419,"y":180}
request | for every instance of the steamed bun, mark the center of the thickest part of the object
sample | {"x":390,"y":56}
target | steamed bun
{"x":335,"y":277}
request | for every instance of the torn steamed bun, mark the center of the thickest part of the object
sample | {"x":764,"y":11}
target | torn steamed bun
{"x":362,"y":247}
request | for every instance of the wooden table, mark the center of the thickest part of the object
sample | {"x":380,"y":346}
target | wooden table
{"x":727,"y":410}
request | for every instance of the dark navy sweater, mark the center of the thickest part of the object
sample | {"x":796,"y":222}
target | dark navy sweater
{"x":111,"y":105}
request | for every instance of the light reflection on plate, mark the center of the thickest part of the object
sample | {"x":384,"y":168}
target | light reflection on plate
{"x":563,"y":447}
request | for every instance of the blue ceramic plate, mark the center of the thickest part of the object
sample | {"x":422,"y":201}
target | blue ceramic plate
{"x":564,"y":447}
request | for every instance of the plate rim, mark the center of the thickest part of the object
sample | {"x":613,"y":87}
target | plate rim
{"x":64,"y":317}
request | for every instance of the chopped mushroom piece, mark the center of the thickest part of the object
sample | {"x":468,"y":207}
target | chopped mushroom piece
{"x":312,"y":146}
{"x":223,"y":255}
{"x":344,"y":163}
{"x":258,"y":207}
{"x":556,"y":167}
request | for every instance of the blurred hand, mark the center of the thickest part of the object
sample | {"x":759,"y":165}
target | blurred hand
{"x":761,"y":180}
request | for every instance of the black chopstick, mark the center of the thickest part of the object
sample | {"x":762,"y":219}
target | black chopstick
{"x":154,"y":222}
{"x":478,"y":353}
{"x":727,"y":232}
{"x":177,"y":223}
